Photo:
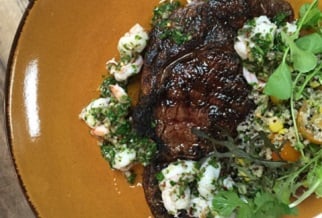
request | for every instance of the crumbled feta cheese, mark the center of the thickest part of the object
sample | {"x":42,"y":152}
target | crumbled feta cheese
{"x":241,"y":47}
{"x":228,"y":182}
{"x":290,"y":28}
{"x":264,"y":27}
{"x":208,"y":178}
{"x":175,"y":179}
{"x":250,"y":77}
{"x":123,"y":159}
{"x":175,"y":186}
{"x":88,"y":113}
{"x":122,"y":71}
{"x":174,"y":199}
{"x":180,"y":170}
{"x":133,"y":41}
{"x":199,"y":207}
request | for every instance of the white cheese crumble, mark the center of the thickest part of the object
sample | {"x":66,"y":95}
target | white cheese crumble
{"x":109,"y":117}
{"x":101,"y":127}
{"x":174,"y":199}
{"x":88,"y":113}
{"x":124,"y":159}
{"x":263,"y":28}
{"x":175,"y":179}
{"x":122,"y":71}
{"x":210,"y":174}
{"x":176,"y":189}
{"x":129,"y":46}
{"x":180,"y":170}
{"x":200,"y":207}
{"x":133,"y":42}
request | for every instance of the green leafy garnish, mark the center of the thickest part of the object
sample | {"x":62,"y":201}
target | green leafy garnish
{"x":310,"y":15}
{"x":280,"y":82}
{"x":159,"y":176}
{"x":226,"y":202}
{"x":264,"y":204}
{"x":311,"y":43}
{"x":303,"y":60}
{"x":169,"y":28}
{"x":234,"y":151}
{"x":299,"y":56}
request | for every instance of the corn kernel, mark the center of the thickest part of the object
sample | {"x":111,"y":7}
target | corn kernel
{"x":258,"y":114}
{"x":314,"y":84}
{"x":244,"y":175}
{"x":283,"y":131}
{"x":240,"y":162}
{"x":275,"y":124}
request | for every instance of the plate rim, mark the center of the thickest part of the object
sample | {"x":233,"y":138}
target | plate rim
{"x":7,"y":100}
{"x":8,"y":82}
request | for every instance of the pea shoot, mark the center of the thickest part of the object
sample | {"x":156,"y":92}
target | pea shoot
{"x":299,"y":56}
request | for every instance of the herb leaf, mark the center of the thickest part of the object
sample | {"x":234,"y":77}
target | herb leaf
{"x":315,"y":180}
{"x":169,"y":28}
{"x":311,"y":42}
{"x":263,"y":205}
{"x":226,"y":202}
{"x":268,"y":206}
{"x":310,"y":15}
{"x":303,"y":60}
{"x":279,"y":83}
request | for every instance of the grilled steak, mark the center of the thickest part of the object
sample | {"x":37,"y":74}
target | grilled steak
{"x":196,"y":84}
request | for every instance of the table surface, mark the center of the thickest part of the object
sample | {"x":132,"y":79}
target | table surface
{"x":12,"y":199}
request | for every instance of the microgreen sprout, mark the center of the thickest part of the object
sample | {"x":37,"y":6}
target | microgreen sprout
{"x":279,"y":84}
{"x":292,"y":81}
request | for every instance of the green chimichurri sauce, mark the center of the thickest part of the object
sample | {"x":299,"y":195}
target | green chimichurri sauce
{"x":169,"y":28}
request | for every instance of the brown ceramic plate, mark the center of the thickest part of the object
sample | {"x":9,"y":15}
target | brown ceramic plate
{"x":56,"y":67}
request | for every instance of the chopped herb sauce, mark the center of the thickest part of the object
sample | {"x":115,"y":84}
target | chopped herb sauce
{"x":169,"y":28}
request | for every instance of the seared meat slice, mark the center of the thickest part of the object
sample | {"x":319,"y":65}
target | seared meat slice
{"x":199,"y":91}
{"x":197,"y":84}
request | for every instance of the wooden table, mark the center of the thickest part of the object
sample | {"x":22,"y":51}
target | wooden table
{"x":12,"y":199}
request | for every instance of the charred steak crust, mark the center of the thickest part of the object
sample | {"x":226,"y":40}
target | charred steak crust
{"x":199,"y":91}
{"x":197,"y":84}
{"x":151,"y":190}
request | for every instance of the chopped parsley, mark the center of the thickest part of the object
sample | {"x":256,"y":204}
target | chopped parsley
{"x":122,"y":133}
{"x":109,"y":117}
{"x":169,"y":28}
{"x":228,"y":202}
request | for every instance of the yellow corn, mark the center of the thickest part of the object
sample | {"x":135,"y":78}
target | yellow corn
{"x":314,"y":84}
{"x":275,"y":124}
{"x":240,"y":161}
{"x":283,"y":131}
